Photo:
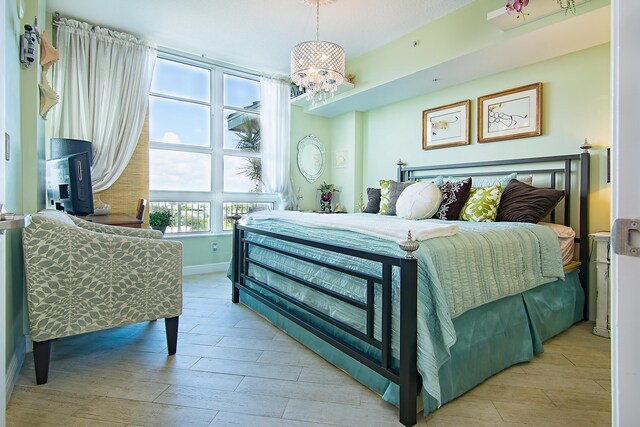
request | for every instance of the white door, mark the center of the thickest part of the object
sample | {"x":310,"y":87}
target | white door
{"x":3,"y":22}
{"x":625,"y":356}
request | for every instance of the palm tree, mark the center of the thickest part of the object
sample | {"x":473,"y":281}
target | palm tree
{"x":248,"y":134}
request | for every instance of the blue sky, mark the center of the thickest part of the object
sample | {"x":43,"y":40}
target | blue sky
{"x":180,"y":122}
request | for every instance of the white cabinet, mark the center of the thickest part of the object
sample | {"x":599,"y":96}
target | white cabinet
{"x":603,"y":299}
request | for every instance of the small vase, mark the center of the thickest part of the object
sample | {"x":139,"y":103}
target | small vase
{"x":325,"y":201}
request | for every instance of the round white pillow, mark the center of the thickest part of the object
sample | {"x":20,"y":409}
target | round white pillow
{"x":419,"y":201}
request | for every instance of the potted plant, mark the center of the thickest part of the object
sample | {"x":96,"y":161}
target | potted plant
{"x":326,"y":196}
{"x":160,"y":219}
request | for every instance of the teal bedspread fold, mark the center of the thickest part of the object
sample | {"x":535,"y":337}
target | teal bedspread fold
{"x":484,"y":262}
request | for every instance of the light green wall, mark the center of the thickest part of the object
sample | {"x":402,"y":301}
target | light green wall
{"x":346,"y":142}
{"x":302,"y":125}
{"x":25,"y":169}
{"x":196,"y":250}
{"x":575,"y":106}
{"x":457,"y":34}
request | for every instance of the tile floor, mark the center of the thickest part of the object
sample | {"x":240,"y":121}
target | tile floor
{"x":234,"y":368}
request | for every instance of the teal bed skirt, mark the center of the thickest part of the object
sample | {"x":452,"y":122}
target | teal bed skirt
{"x":490,"y":338}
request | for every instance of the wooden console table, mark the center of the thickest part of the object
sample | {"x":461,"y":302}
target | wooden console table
{"x":120,"y":220}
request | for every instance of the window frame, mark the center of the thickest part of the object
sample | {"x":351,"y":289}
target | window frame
{"x":216,"y":197}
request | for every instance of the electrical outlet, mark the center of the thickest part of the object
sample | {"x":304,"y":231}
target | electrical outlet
{"x":7,"y":146}
{"x":214,"y":247}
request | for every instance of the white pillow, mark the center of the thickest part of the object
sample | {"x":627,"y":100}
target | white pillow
{"x":419,"y":201}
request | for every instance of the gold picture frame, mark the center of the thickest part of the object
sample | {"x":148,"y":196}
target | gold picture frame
{"x":446,"y":126}
{"x":510,"y":114}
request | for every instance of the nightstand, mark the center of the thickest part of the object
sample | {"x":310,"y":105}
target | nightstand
{"x":603,"y":301}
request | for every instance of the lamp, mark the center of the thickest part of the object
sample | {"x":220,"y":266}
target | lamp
{"x":317,"y":67}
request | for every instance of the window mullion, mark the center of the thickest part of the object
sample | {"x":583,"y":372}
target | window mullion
{"x":217,"y":158}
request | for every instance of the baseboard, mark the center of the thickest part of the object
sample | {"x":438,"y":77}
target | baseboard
{"x":220,"y":267}
{"x":17,"y":359}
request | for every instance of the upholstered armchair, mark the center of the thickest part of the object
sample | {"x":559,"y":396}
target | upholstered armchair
{"x":83,"y":277}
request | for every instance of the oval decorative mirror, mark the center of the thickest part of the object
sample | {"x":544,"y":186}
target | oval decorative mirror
{"x":311,"y":157}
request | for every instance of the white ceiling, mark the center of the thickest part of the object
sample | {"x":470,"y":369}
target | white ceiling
{"x":258,"y":34}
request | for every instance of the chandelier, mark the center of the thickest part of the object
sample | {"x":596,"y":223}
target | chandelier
{"x":317,"y":67}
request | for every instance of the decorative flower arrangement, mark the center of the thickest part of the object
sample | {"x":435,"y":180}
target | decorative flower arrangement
{"x":519,"y":5}
{"x":326,"y":196}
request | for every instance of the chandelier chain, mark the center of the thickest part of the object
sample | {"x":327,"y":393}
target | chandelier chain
{"x":318,"y":21}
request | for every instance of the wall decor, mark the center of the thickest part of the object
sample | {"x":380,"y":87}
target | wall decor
{"x":340,"y":159}
{"x":446,"y":126}
{"x":311,"y":157}
{"x":510,"y":114}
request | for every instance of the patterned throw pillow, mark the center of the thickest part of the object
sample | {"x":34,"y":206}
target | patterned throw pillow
{"x":454,"y":196}
{"x":385,"y":188}
{"x":389,"y":193}
{"x":482,"y":205}
{"x":373,"y":201}
{"x":486,"y":181}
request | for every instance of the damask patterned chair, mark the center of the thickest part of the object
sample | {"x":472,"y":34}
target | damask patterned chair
{"x":83,"y":277}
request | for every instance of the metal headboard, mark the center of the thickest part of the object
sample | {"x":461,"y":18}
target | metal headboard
{"x":528,"y":166}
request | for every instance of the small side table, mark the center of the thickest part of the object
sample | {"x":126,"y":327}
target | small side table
{"x":603,"y":301}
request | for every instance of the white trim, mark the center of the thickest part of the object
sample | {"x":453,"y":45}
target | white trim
{"x":191,"y":270}
{"x":17,"y":359}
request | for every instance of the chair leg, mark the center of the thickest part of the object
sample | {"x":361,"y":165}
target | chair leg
{"x":171,"y":329}
{"x":41,"y":355}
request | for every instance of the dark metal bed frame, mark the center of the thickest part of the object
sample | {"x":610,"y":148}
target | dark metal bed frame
{"x":406,"y":376}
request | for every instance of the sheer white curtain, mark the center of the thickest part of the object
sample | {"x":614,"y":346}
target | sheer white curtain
{"x":275,"y":132}
{"x":103,"y":78}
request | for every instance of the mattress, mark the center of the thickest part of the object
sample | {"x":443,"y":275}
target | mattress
{"x":484,"y":262}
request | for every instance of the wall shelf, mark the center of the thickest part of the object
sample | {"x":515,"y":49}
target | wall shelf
{"x":535,"y":10}
{"x":18,"y":221}
{"x":301,"y":100}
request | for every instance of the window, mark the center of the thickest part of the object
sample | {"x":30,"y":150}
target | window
{"x":205,"y":161}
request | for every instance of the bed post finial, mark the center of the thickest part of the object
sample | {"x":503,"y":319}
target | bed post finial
{"x":409,"y":246}
{"x":400,"y":163}
{"x":235,"y":217}
{"x":586,"y":146}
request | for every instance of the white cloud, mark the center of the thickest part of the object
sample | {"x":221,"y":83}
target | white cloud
{"x":170,"y":138}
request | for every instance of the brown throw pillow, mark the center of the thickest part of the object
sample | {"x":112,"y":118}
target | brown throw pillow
{"x":395,"y":189}
{"x":523,"y":203}
{"x":454,"y":196}
{"x":373,"y":201}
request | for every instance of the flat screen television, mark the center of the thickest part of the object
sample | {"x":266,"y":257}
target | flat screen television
{"x":69,"y":184}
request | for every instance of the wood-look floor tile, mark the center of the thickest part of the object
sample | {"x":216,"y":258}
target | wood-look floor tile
{"x":325,"y":375}
{"x":335,"y":413}
{"x":243,"y":403}
{"x":37,"y":398}
{"x":590,"y":360}
{"x":261,"y":344}
{"x":349,"y":395}
{"x":27,"y":417}
{"x":253,"y":369}
{"x":561,"y":417}
{"x":605,"y":384}
{"x":232,"y":332}
{"x":567,"y":371}
{"x":545,"y":382}
{"x":219,"y":352}
{"x":225,"y":419}
{"x":470,"y":408}
{"x":508,"y":393}
{"x":594,"y":402}
{"x":100,"y":386}
{"x":308,"y":358}
{"x":146,"y":413}
{"x":437,"y":420}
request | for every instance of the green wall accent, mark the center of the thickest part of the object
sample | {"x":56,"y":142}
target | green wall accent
{"x":302,"y":125}
{"x":346,"y":140}
{"x":196,"y":250}
{"x":452,"y":36}
{"x":25,"y":170}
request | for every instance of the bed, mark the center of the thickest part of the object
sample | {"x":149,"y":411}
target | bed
{"x":392,"y":316}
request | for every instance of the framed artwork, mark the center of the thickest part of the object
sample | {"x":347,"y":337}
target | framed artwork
{"x":510,"y":114}
{"x":446,"y":126}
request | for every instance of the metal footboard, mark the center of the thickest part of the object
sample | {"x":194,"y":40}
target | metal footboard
{"x":406,"y":376}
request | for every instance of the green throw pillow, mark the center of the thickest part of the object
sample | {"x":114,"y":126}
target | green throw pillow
{"x":482,"y":205}
{"x":385,"y":190}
